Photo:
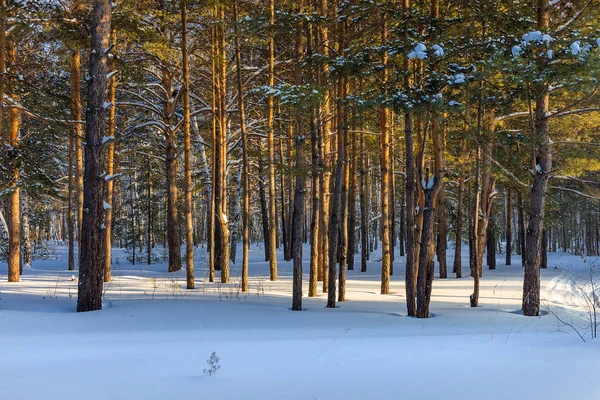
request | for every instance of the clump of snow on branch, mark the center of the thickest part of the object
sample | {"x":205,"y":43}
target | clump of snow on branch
{"x":419,"y":52}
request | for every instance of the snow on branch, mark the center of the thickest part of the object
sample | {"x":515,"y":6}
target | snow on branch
{"x":513,"y":115}
{"x":589,"y":196}
{"x":570,"y":112}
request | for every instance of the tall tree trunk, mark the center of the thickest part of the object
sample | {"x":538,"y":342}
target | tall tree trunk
{"x":315,"y":185}
{"x":110,"y":168}
{"x":364,"y":206}
{"x":132,"y":192}
{"x":271,"y":149}
{"x":78,"y":133}
{"x":212,"y":211}
{"x":475,"y":228}
{"x":531,"y":283}
{"x":70,"y":219}
{"x":392,"y":191}
{"x":457,"y":267}
{"x":189,"y":222}
{"x":222,"y":232}
{"x":245,"y":166}
{"x":352,"y":203}
{"x":282,"y":186}
{"x":14,"y":200}
{"x":298,"y":214}
{"x":508,"y":225}
{"x":237,"y":178}
{"x":92,"y":253}
{"x":521,"y":223}
{"x":336,"y":225}
{"x":431,"y":191}
{"x":491,"y":243}
{"x":487,"y":183}
{"x":149,"y":212}
{"x":26,"y":231}
{"x":264,"y":206}
{"x":288,"y":255}
{"x":442,"y":241}
{"x":411,"y":262}
{"x":402,"y":227}
{"x":384,"y":148}
{"x":344,"y":137}
{"x":544,"y":249}
{"x":316,"y":208}
{"x":173,"y":229}
{"x":325,"y":145}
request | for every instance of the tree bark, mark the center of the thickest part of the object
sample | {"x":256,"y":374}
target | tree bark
{"x":411,"y":262}
{"x":78,"y":133}
{"x":475,"y":228}
{"x":298,"y":214}
{"x":26,"y":232}
{"x":92,"y":252}
{"x":189,"y":222}
{"x":430,"y":191}
{"x":508,"y":225}
{"x":491,"y":243}
{"x":173,"y":229}
{"x":384,"y":148}
{"x":442,"y":241}
{"x":222,"y":231}
{"x":457,"y":267}
{"x":544,"y":249}
{"x":70,"y":219}
{"x":364,"y":207}
{"x":325,"y":144}
{"x":245,"y":165}
{"x":110,"y":169}
{"x":14,"y":199}
{"x":487,"y":183}
{"x":212,"y":211}
{"x":316,"y":192}
{"x":271,"y":149}
{"x":521,"y":223}
{"x":531,"y":284}
{"x":352,"y":203}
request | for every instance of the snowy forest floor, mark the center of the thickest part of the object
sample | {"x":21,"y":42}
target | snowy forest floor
{"x":153,"y":337}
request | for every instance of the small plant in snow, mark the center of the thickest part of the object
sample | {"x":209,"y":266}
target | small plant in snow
{"x":213,"y":363}
{"x":587,"y":291}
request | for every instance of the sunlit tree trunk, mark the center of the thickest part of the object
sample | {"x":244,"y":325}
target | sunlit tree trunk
{"x":384,"y":148}
{"x":474,"y":298}
{"x":14,"y":199}
{"x":110,"y":167}
{"x":271,"y":149}
{"x":189,"y":223}
{"x":245,"y":166}
{"x":325,"y":147}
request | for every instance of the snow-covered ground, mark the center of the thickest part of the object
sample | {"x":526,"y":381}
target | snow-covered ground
{"x":153,"y":337}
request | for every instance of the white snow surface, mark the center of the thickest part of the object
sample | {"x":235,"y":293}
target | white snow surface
{"x":153,"y":337}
